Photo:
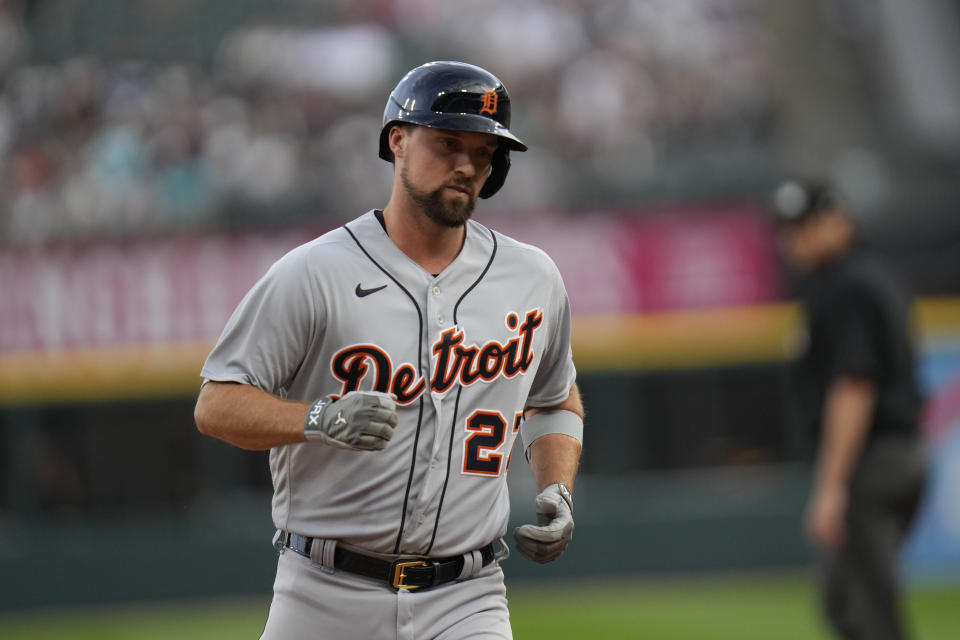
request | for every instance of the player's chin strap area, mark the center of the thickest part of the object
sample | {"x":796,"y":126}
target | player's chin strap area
{"x":405,"y":572}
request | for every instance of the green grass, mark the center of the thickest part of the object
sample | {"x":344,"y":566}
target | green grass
{"x":739,"y":607}
{"x":720,"y":608}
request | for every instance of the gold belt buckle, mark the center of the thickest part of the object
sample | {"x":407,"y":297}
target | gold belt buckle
{"x":400,"y":574}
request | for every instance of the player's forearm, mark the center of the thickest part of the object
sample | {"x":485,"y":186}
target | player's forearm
{"x":248,"y":417}
{"x":848,"y":409}
{"x":554,"y":458}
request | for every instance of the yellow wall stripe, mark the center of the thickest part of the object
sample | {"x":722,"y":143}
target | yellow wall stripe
{"x":655,"y":341}
{"x":683,"y":339}
{"x":102,"y":374}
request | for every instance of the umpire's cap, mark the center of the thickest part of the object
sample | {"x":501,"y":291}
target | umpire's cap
{"x":796,"y":200}
{"x":457,"y":96}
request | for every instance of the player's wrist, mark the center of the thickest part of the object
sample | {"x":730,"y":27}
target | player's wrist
{"x":312,"y":424}
{"x":563,"y":491}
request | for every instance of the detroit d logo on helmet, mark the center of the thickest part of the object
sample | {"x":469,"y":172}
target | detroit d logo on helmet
{"x":488,"y":102}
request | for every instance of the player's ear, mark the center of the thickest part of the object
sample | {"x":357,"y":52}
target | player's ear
{"x":397,"y":139}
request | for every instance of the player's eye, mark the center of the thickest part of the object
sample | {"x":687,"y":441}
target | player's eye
{"x":484,"y":156}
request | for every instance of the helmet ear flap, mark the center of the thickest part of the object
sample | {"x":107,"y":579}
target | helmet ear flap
{"x":498,"y":173}
{"x":385,"y":152}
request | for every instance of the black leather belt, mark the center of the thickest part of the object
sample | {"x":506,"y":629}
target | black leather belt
{"x":412,"y":572}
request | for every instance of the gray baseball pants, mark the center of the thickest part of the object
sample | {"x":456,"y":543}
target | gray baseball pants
{"x":311,"y":602}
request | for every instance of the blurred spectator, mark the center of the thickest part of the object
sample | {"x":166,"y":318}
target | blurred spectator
{"x":351,"y":62}
{"x":32,"y":208}
{"x":13,"y":37}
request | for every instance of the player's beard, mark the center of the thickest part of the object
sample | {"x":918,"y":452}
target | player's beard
{"x":447,"y":213}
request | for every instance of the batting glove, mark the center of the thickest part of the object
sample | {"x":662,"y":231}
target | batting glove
{"x":547,"y":541}
{"x":360,"y":420}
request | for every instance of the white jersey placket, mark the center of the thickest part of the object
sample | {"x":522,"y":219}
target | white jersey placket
{"x":439,"y":315}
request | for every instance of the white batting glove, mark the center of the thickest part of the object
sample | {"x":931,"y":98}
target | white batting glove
{"x":360,"y":420}
{"x":546,"y":540}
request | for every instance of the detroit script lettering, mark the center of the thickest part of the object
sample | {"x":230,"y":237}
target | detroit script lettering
{"x":453,"y":361}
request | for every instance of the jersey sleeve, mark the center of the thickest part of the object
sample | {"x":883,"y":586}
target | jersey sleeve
{"x":557,"y":373}
{"x":853,"y":333}
{"x":266,"y":338}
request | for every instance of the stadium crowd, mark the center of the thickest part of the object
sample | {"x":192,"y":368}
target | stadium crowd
{"x":281,"y":122}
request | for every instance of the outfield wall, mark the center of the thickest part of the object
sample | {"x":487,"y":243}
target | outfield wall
{"x":119,"y":501}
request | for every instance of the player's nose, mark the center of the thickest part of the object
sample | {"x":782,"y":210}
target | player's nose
{"x":464,"y":165}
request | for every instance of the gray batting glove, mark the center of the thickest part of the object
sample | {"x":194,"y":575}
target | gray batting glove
{"x":547,"y":541}
{"x":360,"y":420}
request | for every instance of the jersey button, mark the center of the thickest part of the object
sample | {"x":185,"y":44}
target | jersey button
{"x":435,"y":291}
{"x":440,"y":318}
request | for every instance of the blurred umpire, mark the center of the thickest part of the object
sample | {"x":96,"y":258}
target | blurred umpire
{"x":858,"y":375}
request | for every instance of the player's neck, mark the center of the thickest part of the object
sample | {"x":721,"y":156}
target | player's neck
{"x":430,"y":245}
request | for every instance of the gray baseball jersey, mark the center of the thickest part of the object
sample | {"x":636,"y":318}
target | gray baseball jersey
{"x":463,"y":351}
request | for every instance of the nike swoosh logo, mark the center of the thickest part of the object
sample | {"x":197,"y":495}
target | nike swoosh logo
{"x":361,"y":292}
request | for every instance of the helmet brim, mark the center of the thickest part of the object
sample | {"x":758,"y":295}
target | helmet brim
{"x":460,"y":122}
{"x":469,"y":122}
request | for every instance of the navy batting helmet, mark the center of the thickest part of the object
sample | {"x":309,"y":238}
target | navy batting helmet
{"x":457,"y":96}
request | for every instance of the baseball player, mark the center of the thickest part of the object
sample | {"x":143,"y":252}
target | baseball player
{"x":389,"y":365}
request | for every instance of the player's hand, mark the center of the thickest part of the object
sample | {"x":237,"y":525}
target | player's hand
{"x":360,"y":420}
{"x":554,"y":530}
{"x":824,"y":522}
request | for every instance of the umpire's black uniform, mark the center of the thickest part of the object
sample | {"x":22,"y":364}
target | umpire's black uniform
{"x":858,"y":325}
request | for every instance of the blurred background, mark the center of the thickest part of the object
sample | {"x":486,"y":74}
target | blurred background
{"x":157,"y":155}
